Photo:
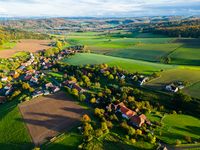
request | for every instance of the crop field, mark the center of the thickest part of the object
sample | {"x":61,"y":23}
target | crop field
{"x":13,"y":132}
{"x":127,"y":64}
{"x":50,"y":115}
{"x":25,"y":45}
{"x":177,"y":127}
{"x":140,"y":46}
{"x":188,"y":75}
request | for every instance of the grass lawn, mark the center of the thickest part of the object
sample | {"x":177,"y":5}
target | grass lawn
{"x":127,"y":64}
{"x":13,"y":133}
{"x":177,"y":127}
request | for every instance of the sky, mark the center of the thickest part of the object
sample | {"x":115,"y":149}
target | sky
{"x":98,"y":8}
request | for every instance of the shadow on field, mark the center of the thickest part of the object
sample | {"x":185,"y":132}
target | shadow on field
{"x":56,"y":146}
{"x":190,"y":129}
{"x":16,"y":146}
{"x":50,"y":121}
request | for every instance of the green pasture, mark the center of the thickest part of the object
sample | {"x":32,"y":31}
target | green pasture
{"x":127,"y":64}
{"x":187,"y":74}
{"x":177,"y":127}
{"x":13,"y":132}
{"x":141,"y":46}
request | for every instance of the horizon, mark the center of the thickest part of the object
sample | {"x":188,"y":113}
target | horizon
{"x":98,"y":9}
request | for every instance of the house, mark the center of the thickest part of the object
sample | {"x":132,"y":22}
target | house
{"x":4,"y":79}
{"x":37,"y":93}
{"x":126,"y":112}
{"x":123,"y":77}
{"x":80,"y":89}
{"x":21,"y":67}
{"x":55,"y":89}
{"x":34,"y":80}
{"x":48,"y":85}
{"x":138,"y":121}
{"x":46,"y":92}
{"x":8,"y":87}
{"x":2,"y":99}
{"x":172,"y":88}
{"x":27,"y":77}
{"x":142,"y":80}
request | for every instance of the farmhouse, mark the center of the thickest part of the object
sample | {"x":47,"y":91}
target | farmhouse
{"x":132,"y":116}
{"x":172,"y":88}
{"x":126,"y":112}
{"x":4,"y":79}
{"x":142,"y":80}
{"x":138,"y":121}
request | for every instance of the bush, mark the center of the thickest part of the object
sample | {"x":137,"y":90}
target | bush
{"x":178,"y":142}
{"x":133,"y":141}
{"x":98,"y":132}
{"x":188,"y":139}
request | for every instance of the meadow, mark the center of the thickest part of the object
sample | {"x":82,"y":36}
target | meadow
{"x":184,"y":74}
{"x":178,"y":127}
{"x":14,"y":134}
{"x":140,"y":46}
{"x":126,"y":64}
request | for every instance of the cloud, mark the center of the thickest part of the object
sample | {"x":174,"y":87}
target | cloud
{"x":99,"y":7}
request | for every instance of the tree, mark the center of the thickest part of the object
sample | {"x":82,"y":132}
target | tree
{"x":59,"y":45}
{"x":138,"y":132}
{"x":104,"y":126}
{"x":25,"y":86}
{"x":93,"y":100}
{"x":111,"y":77}
{"x":108,"y":91}
{"x":1,"y":85}
{"x":98,"y":132}
{"x":86,"y":118}
{"x":75,"y":92}
{"x":131,"y":131}
{"x":82,"y":97}
{"x":99,"y":112}
{"x":180,"y":99}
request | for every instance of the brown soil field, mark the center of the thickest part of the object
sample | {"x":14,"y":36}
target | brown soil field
{"x":50,"y":115}
{"x":25,"y":45}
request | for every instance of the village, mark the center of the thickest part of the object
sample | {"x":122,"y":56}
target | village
{"x":112,"y":92}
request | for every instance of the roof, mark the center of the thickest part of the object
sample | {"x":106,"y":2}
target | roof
{"x":126,"y":111}
{"x":138,"y":120}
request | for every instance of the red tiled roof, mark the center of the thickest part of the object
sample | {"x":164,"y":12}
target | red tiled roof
{"x":126,"y":111}
{"x":138,"y":120}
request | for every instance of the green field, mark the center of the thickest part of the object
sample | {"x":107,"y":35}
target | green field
{"x":127,"y":64}
{"x":189,"y":75}
{"x":13,"y":132}
{"x":193,"y":90}
{"x":141,"y":46}
{"x":177,"y":127}
{"x":7,"y":45}
{"x":69,"y":141}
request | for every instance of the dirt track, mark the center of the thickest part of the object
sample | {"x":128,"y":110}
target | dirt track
{"x":48,"y":116}
{"x":25,"y":45}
